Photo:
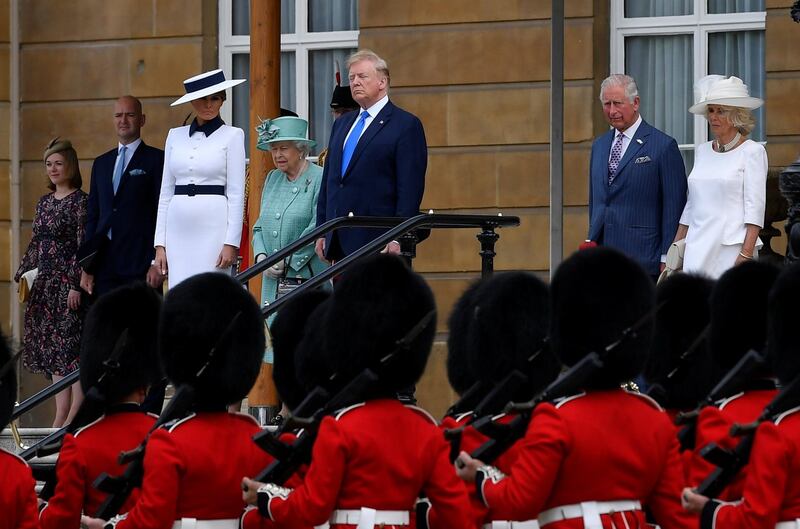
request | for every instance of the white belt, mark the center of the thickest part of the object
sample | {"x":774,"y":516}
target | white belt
{"x":794,"y":524}
{"x":367,"y":518}
{"x":504,"y":524}
{"x":590,"y":511}
{"x":194,"y":523}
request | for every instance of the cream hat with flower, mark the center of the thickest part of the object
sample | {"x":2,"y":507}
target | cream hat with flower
{"x":721,"y":90}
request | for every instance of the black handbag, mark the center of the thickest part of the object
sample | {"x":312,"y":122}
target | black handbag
{"x":288,"y":284}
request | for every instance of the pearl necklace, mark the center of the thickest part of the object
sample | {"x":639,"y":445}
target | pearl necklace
{"x":730,"y":145}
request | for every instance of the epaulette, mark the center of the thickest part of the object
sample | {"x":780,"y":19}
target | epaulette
{"x":785,"y":414}
{"x":647,"y":398}
{"x":563,"y":400}
{"x":724,"y":402}
{"x":422,"y":412}
{"x":15,"y":456}
{"x":87,"y":426}
{"x":171,"y":425}
{"x":343,"y":411}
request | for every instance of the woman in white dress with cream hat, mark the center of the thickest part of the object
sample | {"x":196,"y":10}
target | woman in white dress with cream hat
{"x":201,"y":207}
{"x":727,"y":186}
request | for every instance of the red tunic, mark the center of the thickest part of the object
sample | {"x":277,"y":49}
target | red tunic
{"x":472,"y":439}
{"x":194,"y":469}
{"x":600,"y":446}
{"x":17,"y":494}
{"x":381,"y":455}
{"x":83,"y":457}
{"x":772,"y":489}
{"x":714,"y":425}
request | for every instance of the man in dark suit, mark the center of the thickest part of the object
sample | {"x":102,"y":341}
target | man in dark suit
{"x":123,"y":202}
{"x":637,"y":186}
{"x":376,"y":160}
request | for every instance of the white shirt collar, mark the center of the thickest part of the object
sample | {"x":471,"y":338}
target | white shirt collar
{"x":132,"y":146}
{"x":630,"y":132}
{"x":377,"y":107}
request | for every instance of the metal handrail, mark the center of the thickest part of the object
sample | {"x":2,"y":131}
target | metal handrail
{"x":486,"y":222}
{"x":399,"y":225}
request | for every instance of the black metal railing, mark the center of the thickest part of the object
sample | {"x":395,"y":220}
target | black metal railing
{"x":402,"y":229}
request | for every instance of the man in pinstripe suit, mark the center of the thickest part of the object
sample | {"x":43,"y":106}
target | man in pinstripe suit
{"x":637,"y":181}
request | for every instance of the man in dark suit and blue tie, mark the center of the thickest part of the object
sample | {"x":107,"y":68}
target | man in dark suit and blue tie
{"x":123,"y":202}
{"x":637,"y":186}
{"x":377,"y":157}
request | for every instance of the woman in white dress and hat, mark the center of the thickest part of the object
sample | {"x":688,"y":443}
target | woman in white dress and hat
{"x":727,"y":186}
{"x":201,"y":208}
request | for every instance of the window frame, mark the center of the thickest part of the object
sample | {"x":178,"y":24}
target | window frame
{"x":301,"y":43}
{"x":700,"y":25}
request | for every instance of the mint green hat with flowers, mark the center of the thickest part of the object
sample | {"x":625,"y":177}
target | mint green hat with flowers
{"x":287,"y":128}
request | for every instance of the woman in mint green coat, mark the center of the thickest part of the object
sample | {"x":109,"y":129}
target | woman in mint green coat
{"x":288,"y":204}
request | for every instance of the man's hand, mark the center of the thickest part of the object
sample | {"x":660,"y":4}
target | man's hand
{"x":319,"y":248}
{"x":227,"y":256}
{"x":467,"y":466}
{"x":250,"y":490}
{"x":88,"y":522}
{"x":161,"y":260}
{"x":662,"y":266}
{"x":154,"y":277}
{"x":87,"y":282}
{"x":74,"y":299}
{"x":692,"y":501}
{"x":392,"y":248}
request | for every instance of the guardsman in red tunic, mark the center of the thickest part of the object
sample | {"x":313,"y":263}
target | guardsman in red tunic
{"x":599,"y":458}
{"x":373,"y":459}
{"x":738,"y":324}
{"x":211,"y":337}
{"x":94,"y":448}
{"x":505,"y":332}
{"x":679,"y":368}
{"x":17,"y":494}
{"x":771,"y":496}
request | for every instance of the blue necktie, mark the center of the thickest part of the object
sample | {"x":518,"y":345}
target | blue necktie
{"x":352,"y":141}
{"x":120,"y":167}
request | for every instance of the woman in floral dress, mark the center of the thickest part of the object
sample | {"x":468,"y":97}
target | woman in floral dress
{"x":54,"y":314}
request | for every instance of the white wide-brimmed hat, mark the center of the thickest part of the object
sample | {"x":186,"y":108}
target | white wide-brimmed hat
{"x":721,"y":90}
{"x":204,"y":85}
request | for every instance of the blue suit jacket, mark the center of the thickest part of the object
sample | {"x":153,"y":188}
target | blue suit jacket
{"x":131,"y":213}
{"x":385,"y":177}
{"x":638,"y":213}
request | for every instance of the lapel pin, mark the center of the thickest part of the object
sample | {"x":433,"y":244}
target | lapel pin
{"x":381,"y":122}
{"x":639,"y":141}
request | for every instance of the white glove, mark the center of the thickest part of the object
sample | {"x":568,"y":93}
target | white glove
{"x":275,"y":271}
{"x":260,"y":257}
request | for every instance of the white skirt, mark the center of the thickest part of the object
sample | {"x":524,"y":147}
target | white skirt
{"x":195,"y":235}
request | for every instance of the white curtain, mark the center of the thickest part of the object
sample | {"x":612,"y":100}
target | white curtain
{"x":735,"y":6}
{"x":658,"y":8}
{"x":321,"y":81}
{"x":332,"y":15}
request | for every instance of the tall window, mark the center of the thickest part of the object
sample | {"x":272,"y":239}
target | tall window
{"x":666,"y":45}
{"x":315,"y":35}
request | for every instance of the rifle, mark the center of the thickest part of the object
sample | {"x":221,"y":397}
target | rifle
{"x":503,"y":436}
{"x":119,"y":488}
{"x":730,"y":384}
{"x":730,"y":462}
{"x":93,"y":406}
{"x":469,"y":399}
{"x":658,"y":391}
{"x":289,"y":457}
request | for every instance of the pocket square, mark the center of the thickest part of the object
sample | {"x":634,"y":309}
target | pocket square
{"x":137,"y":172}
{"x":643,"y":159}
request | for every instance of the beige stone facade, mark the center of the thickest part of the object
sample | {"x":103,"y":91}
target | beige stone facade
{"x":476,"y":73}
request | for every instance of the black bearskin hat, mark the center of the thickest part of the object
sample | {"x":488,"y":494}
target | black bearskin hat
{"x":682,"y":317}
{"x":342,"y":97}
{"x":212,"y":311}
{"x":134,"y":308}
{"x":377,"y":303}
{"x":8,"y":383}
{"x":596,"y":294}
{"x":784,"y":315}
{"x":288,"y":330}
{"x":312,"y":365}
{"x":509,"y":326}
{"x":459,"y":373}
{"x":739,"y":312}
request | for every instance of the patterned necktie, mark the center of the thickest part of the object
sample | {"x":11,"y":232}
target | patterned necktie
{"x":119,"y":168}
{"x":352,"y":141}
{"x":616,"y":155}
